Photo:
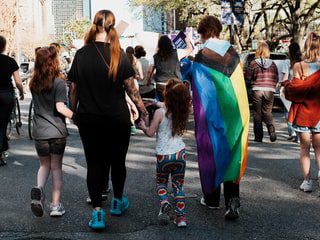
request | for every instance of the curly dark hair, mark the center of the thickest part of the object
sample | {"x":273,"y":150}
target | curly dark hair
{"x":165,"y":47}
{"x":139,"y":51}
{"x":178,"y":103}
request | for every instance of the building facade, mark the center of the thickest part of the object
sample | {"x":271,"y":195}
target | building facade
{"x":68,"y":10}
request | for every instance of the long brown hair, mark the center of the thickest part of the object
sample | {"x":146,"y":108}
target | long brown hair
{"x":105,"y":19}
{"x":46,"y":69}
{"x":178,"y":102}
{"x":312,"y":47}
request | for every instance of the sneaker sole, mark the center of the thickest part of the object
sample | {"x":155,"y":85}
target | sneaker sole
{"x":36,"y":205}
{"x":97,"y":227}
{"x":202,"y":202}
{"x":181,"y":225}
{"x":37,"y":208}
{"x":57,"y":214}
{"x":231,"y":215}
{"x":306,"y":191}
{"x":36,"y":194}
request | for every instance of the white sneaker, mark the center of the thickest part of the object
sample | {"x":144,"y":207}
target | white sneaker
{"x":306,"y":186}
{"x":57,"y":210}
{"x":203,"y":203}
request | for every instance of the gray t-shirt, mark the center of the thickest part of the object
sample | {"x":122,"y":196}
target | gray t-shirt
{"x":47,"y":122}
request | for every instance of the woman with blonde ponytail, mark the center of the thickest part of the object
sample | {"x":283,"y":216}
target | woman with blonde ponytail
{"x":101,"y":74}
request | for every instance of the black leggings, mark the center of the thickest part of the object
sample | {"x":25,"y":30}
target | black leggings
{"x":6,"y":106}
{"x":105,"y":142}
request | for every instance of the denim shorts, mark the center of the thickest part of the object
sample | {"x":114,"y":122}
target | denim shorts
{"x":50,"y":146}
{"x":302,"y":129}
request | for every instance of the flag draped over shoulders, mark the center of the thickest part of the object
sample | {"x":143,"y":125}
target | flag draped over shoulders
{"x":221,"y":112}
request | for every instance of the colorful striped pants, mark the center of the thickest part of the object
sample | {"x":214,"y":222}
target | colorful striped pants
{"x":175,"y":165}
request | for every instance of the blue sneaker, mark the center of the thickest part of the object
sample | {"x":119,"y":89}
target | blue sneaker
{"x":97,"y":221}
{"x":118,"y":207}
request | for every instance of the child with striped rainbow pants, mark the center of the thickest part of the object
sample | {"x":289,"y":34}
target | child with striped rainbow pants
{"x":169,"y":122}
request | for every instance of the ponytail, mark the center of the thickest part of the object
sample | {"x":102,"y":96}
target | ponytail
{"x":115,"y":52}
{"x":90,"y":37}
{"x":105,"y":19}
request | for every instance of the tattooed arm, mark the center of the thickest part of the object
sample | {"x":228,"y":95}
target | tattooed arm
{"x":134,"y":94}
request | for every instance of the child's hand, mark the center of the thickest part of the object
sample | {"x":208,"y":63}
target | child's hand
{"x":142,"y":125}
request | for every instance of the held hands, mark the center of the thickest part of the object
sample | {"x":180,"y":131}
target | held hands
{"x":142,"y":125}
{"x":21,"y":96}
{"x":282,"y":91}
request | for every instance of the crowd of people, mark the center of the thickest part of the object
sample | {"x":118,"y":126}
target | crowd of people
{"x":107,"y":86}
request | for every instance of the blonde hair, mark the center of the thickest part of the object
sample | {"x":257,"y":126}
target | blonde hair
{"x":312,"y":47}
{"x":262,"y":50}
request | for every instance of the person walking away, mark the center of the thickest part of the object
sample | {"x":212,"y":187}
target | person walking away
{"x":264,"y":78}
{"x":146,"y":89}
{"x":304,"y":113}
{"x":139,"y":75}
{"x":166,"y":63}
{"x":221,"y":113}
{"x":8,"y":68}
{"x":49,"y":95}
{"x":101,"y":74}
{"x":295,"y":56}
{"x":170,"y":122}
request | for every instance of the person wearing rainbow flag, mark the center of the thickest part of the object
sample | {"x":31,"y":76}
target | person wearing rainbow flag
{"x":221,"y":112}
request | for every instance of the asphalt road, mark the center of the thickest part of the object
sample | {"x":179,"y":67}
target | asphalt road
{"x":272,"y":205}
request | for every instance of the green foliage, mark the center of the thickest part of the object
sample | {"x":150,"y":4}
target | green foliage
{"x":75,"y":29}
{"x":191,"y":11}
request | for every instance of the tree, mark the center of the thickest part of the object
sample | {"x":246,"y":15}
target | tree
{"x":8,"y":23}
{"x":75,"y":29}
{"x":294,"y":17}
{"x":191,"y":11}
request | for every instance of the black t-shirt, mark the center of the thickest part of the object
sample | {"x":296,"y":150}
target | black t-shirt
{"x":98,"y":94}
{"x":7,"y":67}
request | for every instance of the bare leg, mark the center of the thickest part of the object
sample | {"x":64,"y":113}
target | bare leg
{"x":305,"y":143}
{"x":44,"y":171}
{"x":56,"y":168}
{"x":316,"y":147}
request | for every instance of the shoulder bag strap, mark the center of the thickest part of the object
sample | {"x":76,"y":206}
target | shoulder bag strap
{"x":104,"y":60}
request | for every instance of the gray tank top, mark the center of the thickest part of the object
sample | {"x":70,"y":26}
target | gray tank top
{"x":166,"y":69}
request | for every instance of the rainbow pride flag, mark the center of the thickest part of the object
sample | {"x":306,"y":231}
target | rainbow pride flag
{"x":221,"y":112}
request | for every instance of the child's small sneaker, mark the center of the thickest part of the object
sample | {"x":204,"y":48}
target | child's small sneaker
{"x":180,"y":221}
{"x":97,"y":221}
{"x":306,"y":186}
{"x":37,"y":201}
{"x":118,"y":207}
{"x":163,"y":216}
{"x":57,"y":210}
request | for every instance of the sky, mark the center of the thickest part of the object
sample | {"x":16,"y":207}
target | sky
{"x":121,"y":11}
